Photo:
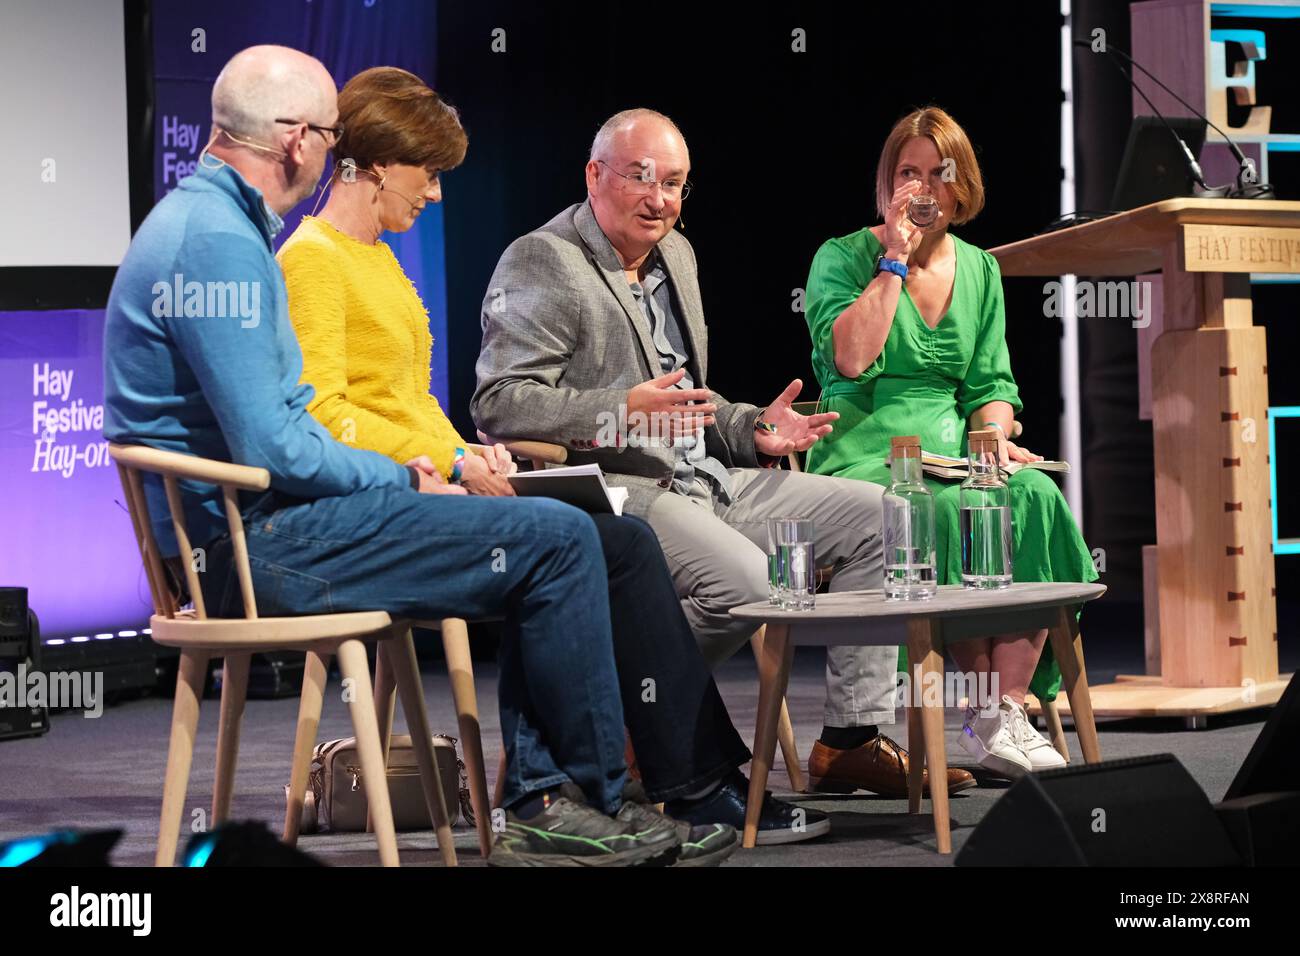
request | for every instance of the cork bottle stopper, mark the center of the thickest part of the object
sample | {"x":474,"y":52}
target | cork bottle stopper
{"x":983,"y":440}
{"x":905,"y":446}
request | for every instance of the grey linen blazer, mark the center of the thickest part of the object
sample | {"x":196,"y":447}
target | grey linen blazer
{"x":563,"y":341}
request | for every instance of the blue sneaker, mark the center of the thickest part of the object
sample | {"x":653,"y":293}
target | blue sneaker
{"x":780,"y":822}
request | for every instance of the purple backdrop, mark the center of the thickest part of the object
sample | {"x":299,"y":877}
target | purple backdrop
{"x":65,"y":537}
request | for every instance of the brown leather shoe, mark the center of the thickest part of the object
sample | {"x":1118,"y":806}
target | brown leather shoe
{"x":879,"y":765}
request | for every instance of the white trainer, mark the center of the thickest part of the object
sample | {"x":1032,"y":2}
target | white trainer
{"x":1036,"y":748}
{"x":990,"y":739}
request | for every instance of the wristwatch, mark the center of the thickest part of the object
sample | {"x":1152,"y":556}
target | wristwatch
{"x":889,"y":265}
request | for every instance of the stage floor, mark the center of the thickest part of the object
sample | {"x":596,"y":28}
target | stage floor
{"x":108,"y":772}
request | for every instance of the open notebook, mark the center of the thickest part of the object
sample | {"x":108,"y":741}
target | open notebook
{"x":582,"y":486}
{"x":948,"y":466}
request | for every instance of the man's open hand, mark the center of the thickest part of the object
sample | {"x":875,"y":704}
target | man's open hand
{"x":794,"y":432}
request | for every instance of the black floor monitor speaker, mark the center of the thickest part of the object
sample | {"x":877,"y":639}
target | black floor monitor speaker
{"x":20,"y":656}
{"x":1139,"y":811}
{"x":1271,"y":766}
{"x":1261,"y":810}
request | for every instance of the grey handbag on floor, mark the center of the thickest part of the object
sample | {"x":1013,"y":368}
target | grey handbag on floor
{"x":336,"y":798}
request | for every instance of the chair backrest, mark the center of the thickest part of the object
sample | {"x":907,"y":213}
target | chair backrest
{"x":539,"y":454}
{"x":172,"y":466}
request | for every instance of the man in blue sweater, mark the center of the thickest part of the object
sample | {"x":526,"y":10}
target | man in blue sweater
{"x":200,"y":358}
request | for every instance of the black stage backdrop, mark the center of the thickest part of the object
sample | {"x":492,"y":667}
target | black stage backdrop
{"x":783,"y":148}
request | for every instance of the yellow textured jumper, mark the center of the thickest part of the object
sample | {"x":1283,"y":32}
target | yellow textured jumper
{"x":366,"y":345}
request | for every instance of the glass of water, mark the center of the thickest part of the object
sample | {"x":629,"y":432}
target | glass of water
{"x":773,"y":565}
{"x":796,"y":563}
{"x":923,"y":210}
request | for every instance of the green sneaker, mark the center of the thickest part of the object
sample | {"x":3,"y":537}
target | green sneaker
{"x":706,"y":845}
{"x":571,"y":833}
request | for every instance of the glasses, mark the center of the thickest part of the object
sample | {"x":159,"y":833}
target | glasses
{"x":331,"y":134}
{"x":672,"y":188}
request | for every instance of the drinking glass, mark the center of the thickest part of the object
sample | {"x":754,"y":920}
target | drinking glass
{"x":923,"y":210}
{"x":796,"y":561}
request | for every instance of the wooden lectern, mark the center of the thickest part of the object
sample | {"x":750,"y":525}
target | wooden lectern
{"x":1208,"y":369}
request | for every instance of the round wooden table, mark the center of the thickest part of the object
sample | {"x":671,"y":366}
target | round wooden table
{"x":865,"y":618}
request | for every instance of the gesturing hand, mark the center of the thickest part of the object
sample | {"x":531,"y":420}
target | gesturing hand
{"x":794,"y":432}
{"x":664,"y":405}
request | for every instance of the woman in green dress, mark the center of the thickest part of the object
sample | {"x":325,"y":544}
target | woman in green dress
{"x":908,"y":333}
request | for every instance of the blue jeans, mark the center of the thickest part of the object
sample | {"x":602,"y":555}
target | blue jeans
{"x":535,"y":562}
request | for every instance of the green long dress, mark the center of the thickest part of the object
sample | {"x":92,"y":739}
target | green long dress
{"x":928,"y":382}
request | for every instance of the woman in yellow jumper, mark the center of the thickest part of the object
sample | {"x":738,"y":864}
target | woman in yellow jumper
{"x":366,"y":349}
{"x":363,"y":330}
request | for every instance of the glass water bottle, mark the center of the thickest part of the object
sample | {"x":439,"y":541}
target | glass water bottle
{"x":909,"y":535}
{"x":985,"y":503}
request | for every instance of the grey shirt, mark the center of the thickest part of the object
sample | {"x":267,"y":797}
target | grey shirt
{"x":655,"y":296}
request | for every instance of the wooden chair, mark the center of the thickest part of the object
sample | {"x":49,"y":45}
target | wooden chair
{"x":1051,"y":715}
{"x":540,"y":454}
{"x":199,"y":638}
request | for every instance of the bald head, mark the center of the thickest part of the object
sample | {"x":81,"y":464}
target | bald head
{"x":638,"y":125}
{"x":265,"y":83}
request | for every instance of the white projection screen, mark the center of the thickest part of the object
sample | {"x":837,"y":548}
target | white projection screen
{"x":64,"y":187}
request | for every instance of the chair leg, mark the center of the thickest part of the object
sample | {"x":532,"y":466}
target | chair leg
{"x":1067,"y":645}
{"x":460,"y":668}
{"x":773,"y":674}
{"x":1053,"y":717}
{"x":180,"y":751}
{"x":499,"y":786}
{"x":356,"y":670}
{"x":401,"y":660}
{"x":784,"y":728}
{"x":385,"y":702}
{"x":922,"y":650}
{"x":234,"y":691}
{"x":315,"y":674}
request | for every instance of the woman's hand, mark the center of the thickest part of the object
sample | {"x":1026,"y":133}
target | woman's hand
{"x":478,"y":477}
{"x":902,"y":236}
{"x":432,"y":483}
{"x":1009,"y":451}
{"x":499,"y":460}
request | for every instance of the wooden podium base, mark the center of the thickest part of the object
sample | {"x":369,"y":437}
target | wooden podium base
{"x":1139,"y":695}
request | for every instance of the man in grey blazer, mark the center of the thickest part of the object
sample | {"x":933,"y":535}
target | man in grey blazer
{"x":594,"y":338}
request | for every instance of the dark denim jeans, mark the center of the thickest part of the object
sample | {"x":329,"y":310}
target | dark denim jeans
{"x":534,"y":562}
{"x":679,"y":725}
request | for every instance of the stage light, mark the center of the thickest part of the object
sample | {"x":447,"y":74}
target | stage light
{"x":61,"y":848}
{"x":247,"y":843}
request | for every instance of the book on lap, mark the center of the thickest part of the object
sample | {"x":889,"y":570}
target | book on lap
{"x":582,"y":486}
{"x":950,"y":466}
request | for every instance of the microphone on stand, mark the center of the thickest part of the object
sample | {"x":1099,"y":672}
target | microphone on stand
{"x":1247,"y":185}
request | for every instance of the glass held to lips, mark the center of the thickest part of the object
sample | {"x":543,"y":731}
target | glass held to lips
{"x":923,"y":211}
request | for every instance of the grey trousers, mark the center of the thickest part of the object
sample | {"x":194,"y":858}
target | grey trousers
{"x":717,"y":554}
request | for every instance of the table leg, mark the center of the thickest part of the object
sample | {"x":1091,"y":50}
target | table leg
{"x":915,"y":742}
{"x":773,"y":675}
{"x":923,"y":645}
{"x":1068,"y":648}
